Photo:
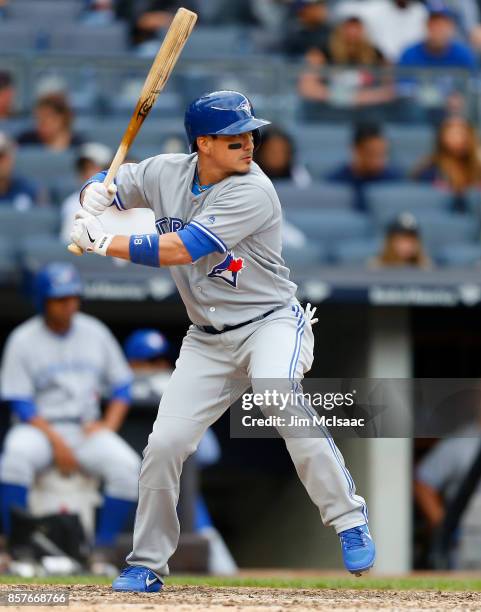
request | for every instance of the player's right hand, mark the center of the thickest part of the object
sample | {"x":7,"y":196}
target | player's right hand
{"x":64,"y":458}
{"x":97,"y":197}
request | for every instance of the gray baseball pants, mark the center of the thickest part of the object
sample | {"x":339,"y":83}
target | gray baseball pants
{"x":212,"y":371}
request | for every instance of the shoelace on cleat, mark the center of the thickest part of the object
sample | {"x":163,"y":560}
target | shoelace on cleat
{"x":353,"y":538}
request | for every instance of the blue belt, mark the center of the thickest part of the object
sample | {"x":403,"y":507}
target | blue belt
{"x":208,"y":329}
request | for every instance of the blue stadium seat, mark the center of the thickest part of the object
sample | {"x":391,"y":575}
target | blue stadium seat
{"x":330,"y":226}
{"x":387,"y":201}
{"x":321,"y":147}
{"x":321,"y":137}
{"x":213,"y":42}
{"x":409,"y":144}
{"x":110,"y":39}
{"x":38,"y":251}
{"x":110,"y":131}
{"x":309,"y":254}
{"x":24,"y":224}
{"x":316,"y":196}
{"x":355,"y":251}
{"x":41,"y":12}
{"x":15,"y":37}
{"x":43,"y":165}
{"x":439,"y":229}
{"x":463,"y":254}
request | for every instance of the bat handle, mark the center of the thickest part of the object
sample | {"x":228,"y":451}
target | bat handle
{"x":75,"y":249}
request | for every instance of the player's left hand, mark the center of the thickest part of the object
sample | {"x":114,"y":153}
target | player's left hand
{"x":89,"y":234}
{"x":309,"y":313}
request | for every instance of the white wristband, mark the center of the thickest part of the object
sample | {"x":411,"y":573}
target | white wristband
{"x":102,"y":244}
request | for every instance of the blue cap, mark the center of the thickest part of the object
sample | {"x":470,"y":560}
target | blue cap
{"x":56,"y":280}
{"x":146,"y":344}
{"x":438,"y":7}
{"x":221,"y":113}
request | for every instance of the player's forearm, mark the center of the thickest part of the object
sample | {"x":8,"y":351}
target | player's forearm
{"x":171,"y":250}
{"x":46,"y":428}
{"x":429,"y":502}
{"x":115,"y":414}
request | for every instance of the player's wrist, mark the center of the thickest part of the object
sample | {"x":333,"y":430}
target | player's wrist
{"x":102,"y":244}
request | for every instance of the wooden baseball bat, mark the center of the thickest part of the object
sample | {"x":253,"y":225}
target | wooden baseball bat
{"x":164,"y":62}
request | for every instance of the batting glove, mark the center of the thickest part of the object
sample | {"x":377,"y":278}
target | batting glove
{"x":309,"y":313}
{"x":97,"y":197}
{"x":89,"y":234}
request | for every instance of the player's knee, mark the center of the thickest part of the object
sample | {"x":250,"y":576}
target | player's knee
{"x":17,"y":468}
{"x":170,"y":445}
{"x":122,"y":480}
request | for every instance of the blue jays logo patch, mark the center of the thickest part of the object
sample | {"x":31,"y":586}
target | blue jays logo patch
{"x":228,"y":270}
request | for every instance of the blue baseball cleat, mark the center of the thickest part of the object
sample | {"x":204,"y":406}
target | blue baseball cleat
{"x":358,"y":550}
{"x":137,"y":579}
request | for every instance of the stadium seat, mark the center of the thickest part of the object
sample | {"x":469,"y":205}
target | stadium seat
{"x":409,"y":144}
{"x":38,"y":251}
{"x":207,"y":42}
{"x":43,"y":165}
{"x":25,"y":224}
{"x":16,"y":37}
{"x":110,"y":39}
{"x":309,"y":254}
{"x":355,"y":251}
{"x":459,"y":255}
{"x":439,"y":229}
{"x":316,"y":196}
{"x":152,"y":134}
{"x":330,"y":226}
{"x":43,"y":12}
{"x":321,"y":137}
{"x":321,"y":147}
{"x":386,"y":202}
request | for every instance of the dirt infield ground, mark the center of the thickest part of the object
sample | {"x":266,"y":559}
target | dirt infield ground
{"x":178,"y":598}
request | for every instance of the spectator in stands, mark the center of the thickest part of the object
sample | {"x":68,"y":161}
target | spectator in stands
{"x":439,"y":49}
{"x":369,"y":164}
{"x":356,"y":86}
{"x":7,"y":95}
{"x":438,"y":477}
{"x":151,"y":18}
{"x":53,"y":119}
{"x":309,"y":29}
{"x":455,"y":163}
{"x":92,"y":158}
{"x":392,"y":25}
{"x":276,"y":157}
{"x":402,"y":245}
{"x":14,"y":190}
{"x":99,"y":12}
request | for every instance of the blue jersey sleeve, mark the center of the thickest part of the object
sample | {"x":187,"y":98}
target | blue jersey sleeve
{"x":197,"y":243}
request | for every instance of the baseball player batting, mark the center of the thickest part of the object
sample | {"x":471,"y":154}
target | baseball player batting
{"x":218,"y":219}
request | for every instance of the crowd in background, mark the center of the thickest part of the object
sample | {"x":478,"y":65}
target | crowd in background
{"x":357,"y":41}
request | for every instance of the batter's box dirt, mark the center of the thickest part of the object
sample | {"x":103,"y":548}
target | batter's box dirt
{"x":252,"y":599}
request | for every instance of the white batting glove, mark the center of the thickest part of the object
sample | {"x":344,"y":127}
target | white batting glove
{"x":97,"y":197}
{"x":309,"y":313}
{"x":88,"y":233}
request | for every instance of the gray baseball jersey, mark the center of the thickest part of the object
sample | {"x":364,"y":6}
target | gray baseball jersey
{"x":241,"y":214}
{"x":63,"y":375}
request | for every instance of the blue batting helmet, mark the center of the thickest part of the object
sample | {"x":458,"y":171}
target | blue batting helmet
{"x":221,"y":112}
{"x":56,"y":280}
{"x":146,"y":344}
